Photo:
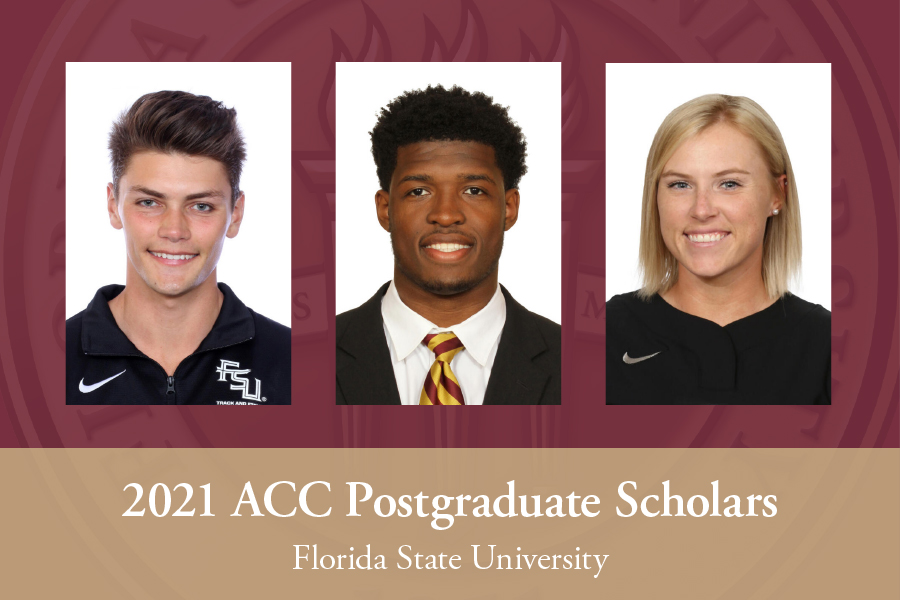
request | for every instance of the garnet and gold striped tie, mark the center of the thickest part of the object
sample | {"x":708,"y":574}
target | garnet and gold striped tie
{"x":441,"y":385}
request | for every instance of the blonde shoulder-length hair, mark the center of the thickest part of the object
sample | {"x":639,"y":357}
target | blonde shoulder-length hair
{"x":782,"y":241}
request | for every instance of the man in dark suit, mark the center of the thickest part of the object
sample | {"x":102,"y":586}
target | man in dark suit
{"x":444,"y":331}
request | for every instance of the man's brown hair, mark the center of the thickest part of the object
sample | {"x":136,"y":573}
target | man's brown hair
{"x":179,"y":123}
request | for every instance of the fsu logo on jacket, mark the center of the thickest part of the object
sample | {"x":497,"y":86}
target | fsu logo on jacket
{"x":232,"y":369}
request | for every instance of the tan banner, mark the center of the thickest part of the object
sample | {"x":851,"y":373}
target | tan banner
{"x":737,"y":523}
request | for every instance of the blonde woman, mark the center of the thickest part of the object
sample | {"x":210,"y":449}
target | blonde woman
{"x":714,"y":322}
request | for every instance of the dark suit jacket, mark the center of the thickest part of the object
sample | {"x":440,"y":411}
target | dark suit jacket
{"x":526,"y":370}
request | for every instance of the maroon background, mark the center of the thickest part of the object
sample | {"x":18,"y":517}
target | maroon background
{"x":859,"y":39}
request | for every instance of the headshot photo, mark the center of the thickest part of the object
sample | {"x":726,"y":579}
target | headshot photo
{"x":178,"y":234}
{"x":448,"y":234}
{"x":718,"y":292}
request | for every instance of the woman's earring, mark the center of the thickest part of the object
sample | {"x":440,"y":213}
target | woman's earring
{"x":775,"y":212}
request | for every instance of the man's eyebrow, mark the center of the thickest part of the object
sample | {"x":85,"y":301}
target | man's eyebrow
{"x":205,"y":194}
{"x":147,"y":191}
{"x":416,"y":177}
{"x":476,"y":177}
{"x":461,"y":176}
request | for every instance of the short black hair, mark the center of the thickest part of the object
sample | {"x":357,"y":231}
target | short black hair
{"x":177,"y":122}
{"x":437,"y":114}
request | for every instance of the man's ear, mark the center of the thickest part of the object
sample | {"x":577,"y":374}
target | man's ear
{"x":512,"y":208}
{"x":237,"y":215}
{"x":382,"y":208}
{"x":112,"y":207}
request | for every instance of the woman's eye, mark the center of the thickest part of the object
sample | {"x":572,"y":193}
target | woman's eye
{"x":730,"y":185}
{"x":678,"y":185}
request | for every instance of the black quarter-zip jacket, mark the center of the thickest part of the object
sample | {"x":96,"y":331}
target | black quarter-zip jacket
{"x":244,"y":360}
{"x":657,"y":354}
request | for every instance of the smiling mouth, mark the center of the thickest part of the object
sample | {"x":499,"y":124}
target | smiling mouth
{"x":175,"y":257}
{"x":705,"y":238}
{"x":447,"y":247}
{"x":447,"y":252}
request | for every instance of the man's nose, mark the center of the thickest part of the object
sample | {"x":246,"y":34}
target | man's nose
{"x":174,"y":225}
{"x":446,"y":209}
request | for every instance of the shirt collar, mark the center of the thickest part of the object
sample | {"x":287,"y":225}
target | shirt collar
{"x":100,"y":334}
{"x":408,"y":328}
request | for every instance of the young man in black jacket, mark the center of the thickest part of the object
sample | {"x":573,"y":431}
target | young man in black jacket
{"x":172,"y":334}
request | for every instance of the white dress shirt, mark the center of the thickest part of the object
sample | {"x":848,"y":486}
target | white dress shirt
{"x":405,"y":329}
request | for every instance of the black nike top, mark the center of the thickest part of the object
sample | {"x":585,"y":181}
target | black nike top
{"x":245,"y":359}
{"x":656,"y":354}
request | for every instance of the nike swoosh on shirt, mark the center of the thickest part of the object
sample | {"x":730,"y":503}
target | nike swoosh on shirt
{"x":90,"y":388}
{"x":630,"y":361}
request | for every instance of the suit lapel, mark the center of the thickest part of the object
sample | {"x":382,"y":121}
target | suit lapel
{"x":364,"y":373}
{"x":515,"y":379}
